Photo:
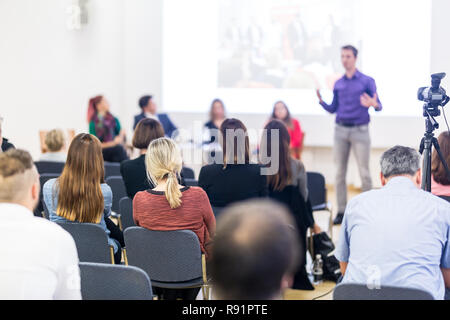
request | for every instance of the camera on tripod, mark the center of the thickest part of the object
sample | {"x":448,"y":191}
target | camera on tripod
{"x":433,"y":96}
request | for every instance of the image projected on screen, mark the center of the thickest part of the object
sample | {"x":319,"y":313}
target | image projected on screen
{"x":283,"y":44}
{"x":252,"y":53}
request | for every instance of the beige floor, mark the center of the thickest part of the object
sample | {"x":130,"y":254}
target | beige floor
{"x":324,"y":291}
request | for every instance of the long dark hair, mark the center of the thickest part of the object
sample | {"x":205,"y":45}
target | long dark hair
{"x":288,"y":120}
{"x":241,"y":148}
{"x":437,"y":168}
{"x":283,"y":177}
{"x":80,"y":195}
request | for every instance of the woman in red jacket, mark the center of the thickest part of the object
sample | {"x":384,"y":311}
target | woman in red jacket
{"x":281,"y":112}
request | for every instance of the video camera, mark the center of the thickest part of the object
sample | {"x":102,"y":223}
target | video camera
{"x":433,"y":96}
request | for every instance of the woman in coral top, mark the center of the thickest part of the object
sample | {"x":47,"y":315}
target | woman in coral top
{"x":170,"y":206}
{"x":281,"y":112}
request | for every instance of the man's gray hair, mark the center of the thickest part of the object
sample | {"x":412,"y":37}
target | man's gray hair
{"x":400,"y":160}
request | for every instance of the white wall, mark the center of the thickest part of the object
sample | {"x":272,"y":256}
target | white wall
{"x":48,"y":73}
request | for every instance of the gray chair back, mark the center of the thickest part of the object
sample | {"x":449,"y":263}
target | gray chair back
{"x":91,"y":241}
{"x":49,"y":167}
{"x":191,"y":182}
{"x":361,"y":292}
{"x":112,"y":169}
{"x":187,"y":173}
{"x":126,"y":212}
{"x":316,"y":188}
{"x":168,"y":257}
{"x":114,"y":282}
{"x":118,"y":189}
{"x":43,"y":178}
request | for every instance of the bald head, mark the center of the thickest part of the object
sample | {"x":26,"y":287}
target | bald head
{"x":19,"y":180}
{"x":255,"y":250}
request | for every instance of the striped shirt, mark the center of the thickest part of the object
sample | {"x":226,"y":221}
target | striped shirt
{"x":152,"y":211}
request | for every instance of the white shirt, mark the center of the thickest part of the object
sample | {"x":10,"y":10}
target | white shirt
{"x":396,"y":236}
{"x":39,"y":259}
{"x":53,"y":157}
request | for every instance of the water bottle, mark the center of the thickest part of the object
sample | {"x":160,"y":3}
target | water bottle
{"x":317,"y":269}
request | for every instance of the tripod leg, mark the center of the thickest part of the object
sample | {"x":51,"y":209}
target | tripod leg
{"x":441,"y":157}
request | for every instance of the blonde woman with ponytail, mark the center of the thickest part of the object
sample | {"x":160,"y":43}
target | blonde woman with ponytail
{"x":169,"y":205}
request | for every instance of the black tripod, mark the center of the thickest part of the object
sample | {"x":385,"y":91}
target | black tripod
{"x":426,"y":145}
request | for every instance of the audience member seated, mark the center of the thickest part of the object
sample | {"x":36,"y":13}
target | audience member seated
{"x":39,"y":259}
{"x":440,"y":182}
{"x":236,"y":179}
{"x":80,"y":193}
{"x":288,"y":185}
{"x":217,"y":116}
{"x":170,"y":206}
{"x":398,"y":235}
{"x":5,"y":144}
{"x":133,"y":171}
{"x":107,"y":129}
{"x":255,"y":252}
{"x":149,"y":108}
{"x":281,"y":112}
{"x":56,"y":144}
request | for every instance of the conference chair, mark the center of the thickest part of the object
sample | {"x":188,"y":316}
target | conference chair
{"x":317,"y":193}
{"x":191,"y":182}
{"x":45,"y":167}
{"x":91,"y":241}
{"x":112,"y":169}
{"x":362,"y":292}
{"x":43,"y":178}
{"x":114,"y":282}
{"x":119,"y":191}
{"x":126,"y":212}
{"x":187,"y":173}
{"x":172,"y":259}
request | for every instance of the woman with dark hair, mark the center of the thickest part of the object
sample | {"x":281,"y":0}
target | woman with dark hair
{"x":288,"y":185}
{"x":281,"y":112}
{"x":236,"y":179}
{"x":217,"y":116}
{"x":80,"y":194}
{"x":440,"y":182}
{"x":133,"y":171}
{"x":107,"y":129}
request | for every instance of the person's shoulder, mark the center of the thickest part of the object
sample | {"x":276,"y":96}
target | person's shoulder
{"x":363,"y":198}
{"x":365,"y":76}
{"x":211,"y":167}
{"x":197,"y":191}
{"x":106,"y":189}
{"x":49,"y":184}
{"x":439,"y":202}
{"x":141,"y":195}
{"x":163,"y":116}
{"x":51,"y":229}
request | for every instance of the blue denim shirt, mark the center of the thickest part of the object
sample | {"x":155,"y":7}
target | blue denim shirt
{"x":50,"y":195}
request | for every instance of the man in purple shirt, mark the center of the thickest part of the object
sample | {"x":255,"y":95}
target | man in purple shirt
{"x":354,"y":94}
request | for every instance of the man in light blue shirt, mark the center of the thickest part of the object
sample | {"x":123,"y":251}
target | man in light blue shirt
{"x":398,"y":235}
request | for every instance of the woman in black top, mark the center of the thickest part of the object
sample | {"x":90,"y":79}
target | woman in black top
{"x":236,"y":179}
{"x":133,"y":172}
{"x":288,"y":186}
{"x":217,"y":116}
{"x":5,"y":145}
